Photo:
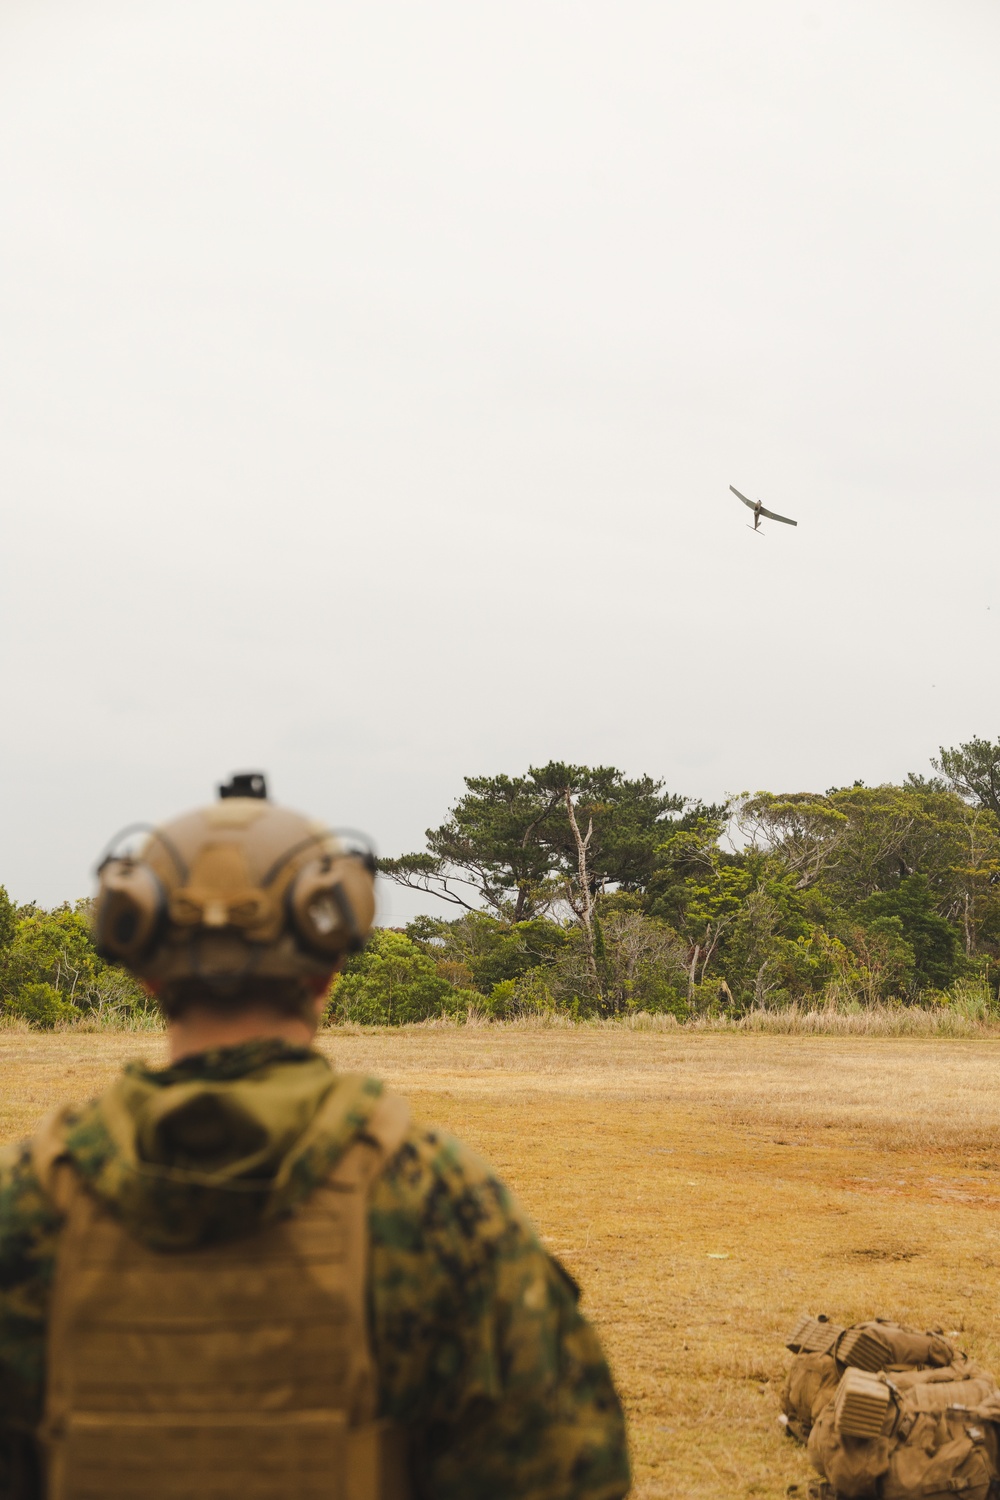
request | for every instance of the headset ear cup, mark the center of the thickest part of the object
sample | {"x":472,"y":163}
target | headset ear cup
{"x":331,"y":906}
{"x":129,"y":911}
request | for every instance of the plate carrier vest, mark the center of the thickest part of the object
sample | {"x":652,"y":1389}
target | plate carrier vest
{"x":234,"y":1371}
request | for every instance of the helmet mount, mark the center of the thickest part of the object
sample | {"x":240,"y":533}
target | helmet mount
{"x":244,"y":784}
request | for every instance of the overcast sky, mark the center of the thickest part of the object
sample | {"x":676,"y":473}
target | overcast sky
{"x":372,"y":376}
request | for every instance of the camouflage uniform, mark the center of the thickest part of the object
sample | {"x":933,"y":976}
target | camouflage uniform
{"x":482,"y":1353}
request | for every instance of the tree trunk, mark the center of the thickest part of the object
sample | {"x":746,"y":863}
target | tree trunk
{"x":711,"y":943}
{"x":693,"y":972}
{"x":586,"y":898}
{"x":759,"y":992}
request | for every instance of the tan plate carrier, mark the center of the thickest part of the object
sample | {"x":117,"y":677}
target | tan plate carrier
{"x":237,"y":1371}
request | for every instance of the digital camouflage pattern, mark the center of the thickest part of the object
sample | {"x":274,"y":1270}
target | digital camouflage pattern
{"x":482,"y":1352}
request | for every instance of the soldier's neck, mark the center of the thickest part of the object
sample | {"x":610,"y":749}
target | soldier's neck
{"x":204,"y":1031}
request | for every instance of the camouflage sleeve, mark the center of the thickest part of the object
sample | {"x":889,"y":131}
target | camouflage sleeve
{"x":482,"y":1351}
{"x":28,"y":1228}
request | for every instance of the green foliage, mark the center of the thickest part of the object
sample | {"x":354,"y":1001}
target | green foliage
{"x":642,"y":963}
{"x":490,"y":949}
{"x":973,"y":771}
{"x":8,"y":921}
{"x":41,"y":1005}
{"x":877,"y":963}
{"x":528,"y":995}
{"x":393,"y":982}
{"x":859,"y":895}
{"x":858,"y":840}
{"x":933,"y":941}
{"x":626,"y":819}
{"x":509,"y":843}
{"x":489,"y":849}
{"x":690,"y":866}
{"x":50,"y":972}
{"x":973,"y":998}
{"x":53,"y":948}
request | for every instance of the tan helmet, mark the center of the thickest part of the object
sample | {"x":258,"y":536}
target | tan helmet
{"x":238,"y":891}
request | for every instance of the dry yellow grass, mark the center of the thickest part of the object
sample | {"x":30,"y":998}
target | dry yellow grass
{"x":704,"y":1190}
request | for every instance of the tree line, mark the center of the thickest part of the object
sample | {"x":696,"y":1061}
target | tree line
{"x":578,"y":889}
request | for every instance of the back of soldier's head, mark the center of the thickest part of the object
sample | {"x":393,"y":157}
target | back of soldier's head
{"x":237,"y":903}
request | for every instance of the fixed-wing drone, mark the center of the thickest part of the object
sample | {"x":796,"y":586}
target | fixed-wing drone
{"x":758,"y":510}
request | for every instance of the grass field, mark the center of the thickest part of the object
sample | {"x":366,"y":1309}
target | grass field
{"x":704,"y":1190}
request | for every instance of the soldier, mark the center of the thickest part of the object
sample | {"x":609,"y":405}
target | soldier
{"x":246,"y":1275}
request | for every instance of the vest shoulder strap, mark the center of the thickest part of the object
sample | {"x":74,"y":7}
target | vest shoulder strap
{"x":375,"y":1144}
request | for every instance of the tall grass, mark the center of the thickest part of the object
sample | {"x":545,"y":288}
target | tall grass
{"x":107,"y":1018}
{"x":876,"y":1020}
{"x":793,"y":1020}
{"x":967,"y":1009}
{"x":882,"y":1020}
{"x":118,"y":1018}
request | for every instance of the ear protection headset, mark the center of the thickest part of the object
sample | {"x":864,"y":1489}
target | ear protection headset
{"x":129,"y":911}
{"x":330,"y":903}
{"x":250,"y":885}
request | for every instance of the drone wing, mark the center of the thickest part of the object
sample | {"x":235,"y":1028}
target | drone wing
{"x":770,"y":514}
{"x":772,"y":517}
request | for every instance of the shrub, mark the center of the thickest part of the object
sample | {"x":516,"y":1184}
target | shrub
{"x":488,"y":949}
{"x":50,"y":971}
{"x":41,"y":1005}
{"x":528,"y":995}
{"x":392,"y":982}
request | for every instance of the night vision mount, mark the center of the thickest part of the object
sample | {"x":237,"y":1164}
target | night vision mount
{"x":244,"y":784}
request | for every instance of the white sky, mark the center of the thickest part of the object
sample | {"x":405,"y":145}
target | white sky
{"x":372,"y":376}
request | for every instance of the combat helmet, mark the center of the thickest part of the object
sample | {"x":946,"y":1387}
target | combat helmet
{"x":236,"y":894}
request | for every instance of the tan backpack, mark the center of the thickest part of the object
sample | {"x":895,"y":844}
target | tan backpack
{"x":879,"y":1345}
{"x":809,"y":1385}
{"x":824,"y":1350}
{"x":891,"y":1413}
{"x":932,"y":1440}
